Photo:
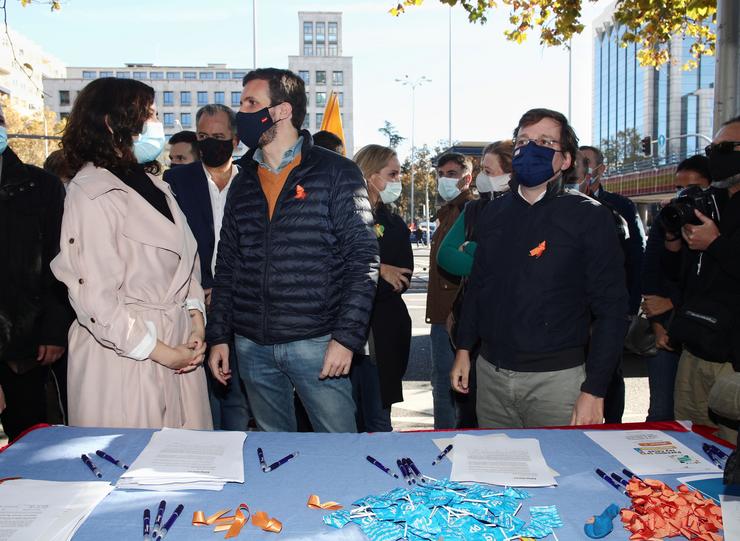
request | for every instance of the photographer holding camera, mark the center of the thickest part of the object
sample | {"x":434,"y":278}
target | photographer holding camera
{"x":705,"y":256}
{"x":661,"y":295}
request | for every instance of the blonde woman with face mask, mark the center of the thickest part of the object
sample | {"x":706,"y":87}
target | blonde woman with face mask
{"x":376,"y":376}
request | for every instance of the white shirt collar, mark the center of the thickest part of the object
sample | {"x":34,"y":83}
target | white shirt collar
{"x":539,"y":198}
{"x":234,"y":172}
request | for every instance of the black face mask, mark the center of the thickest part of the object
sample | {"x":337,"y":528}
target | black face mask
{"x":173,"y":165}
{"x":724,"y":160}
{"x":215,"y":152}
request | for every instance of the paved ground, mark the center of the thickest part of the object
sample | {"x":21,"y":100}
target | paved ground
{"x":415,"y":412}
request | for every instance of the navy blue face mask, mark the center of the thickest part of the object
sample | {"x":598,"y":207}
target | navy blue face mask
{"x":251,"y":126}
{"x":532,"y":164}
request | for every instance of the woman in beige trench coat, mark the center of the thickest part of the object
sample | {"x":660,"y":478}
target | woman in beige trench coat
{"x":129,"y":261}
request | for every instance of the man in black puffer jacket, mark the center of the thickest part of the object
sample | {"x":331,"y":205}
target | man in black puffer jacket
{"x":297,"y":264}
{"x":34,"y":312}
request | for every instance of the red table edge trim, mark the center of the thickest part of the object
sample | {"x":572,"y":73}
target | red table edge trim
{"x":26,"y":431}
{"x":669,"y":426}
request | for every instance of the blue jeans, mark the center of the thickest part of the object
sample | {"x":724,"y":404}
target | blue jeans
{"x":271,"y":373}
{"x":229,"y":407}
{"x":371,"y":415}
{"x":445,"y":415}
{"x":662,"y":377}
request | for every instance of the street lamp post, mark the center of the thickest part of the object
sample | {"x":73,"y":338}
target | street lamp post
{"x":29,"y":67}
{"x":406,"y":81}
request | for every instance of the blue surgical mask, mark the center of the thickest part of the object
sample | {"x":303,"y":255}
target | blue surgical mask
{"x":150,"y":143}
{"x":532,"y":164}
{"x":3,"y":139}
{"x":391,"y":192}
{"x":447,"y":188}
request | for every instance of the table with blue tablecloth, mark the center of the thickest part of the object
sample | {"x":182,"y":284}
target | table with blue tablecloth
{"x":332,"y":466}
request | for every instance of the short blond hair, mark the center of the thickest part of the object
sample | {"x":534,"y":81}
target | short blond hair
{"x":372,"y":159}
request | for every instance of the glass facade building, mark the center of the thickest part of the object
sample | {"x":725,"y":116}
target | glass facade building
{"x":631,"y":102}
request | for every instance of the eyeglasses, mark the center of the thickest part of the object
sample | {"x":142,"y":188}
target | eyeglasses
{"x":540,"y":142}
{"x":721,"y":148}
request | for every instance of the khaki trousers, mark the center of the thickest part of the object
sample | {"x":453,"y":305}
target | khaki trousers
{"x":509,"y":399}
{"x":694,"y":379}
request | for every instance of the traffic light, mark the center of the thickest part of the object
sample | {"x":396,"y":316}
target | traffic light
{"x":647,"y":145}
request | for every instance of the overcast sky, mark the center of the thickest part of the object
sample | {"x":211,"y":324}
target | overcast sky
{"x":493,"y":81}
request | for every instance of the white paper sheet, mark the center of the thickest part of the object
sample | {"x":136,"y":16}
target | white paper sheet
{"x":516,"y":462}
{"x":730,"y":516}
{"x":650,"y":452}
{"x":46,"y":510}
{"x":442,"y":443}
{"x":176,"y":459}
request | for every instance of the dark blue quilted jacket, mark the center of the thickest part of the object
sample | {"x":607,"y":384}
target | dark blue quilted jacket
{"x":311,"y":270}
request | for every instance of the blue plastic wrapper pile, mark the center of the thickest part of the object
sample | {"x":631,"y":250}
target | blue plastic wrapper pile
{"x":447,"y":510}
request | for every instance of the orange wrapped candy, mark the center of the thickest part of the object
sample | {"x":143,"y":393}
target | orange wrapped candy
{"x":658,"y":512}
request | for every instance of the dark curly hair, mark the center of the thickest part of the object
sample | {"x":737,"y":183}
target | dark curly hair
{"x":100,"y":129}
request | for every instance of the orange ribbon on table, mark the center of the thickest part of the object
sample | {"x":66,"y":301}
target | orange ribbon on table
{"x":315,"y":503}
{"x":231,"y":525}
{"x":263,"y":520}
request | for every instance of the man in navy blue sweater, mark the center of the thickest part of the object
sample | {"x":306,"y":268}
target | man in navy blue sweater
{"x":548,"y":270}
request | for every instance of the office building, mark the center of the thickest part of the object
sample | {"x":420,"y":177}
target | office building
{"x":323,"y":68}
{"x":180,"y":90}
{"x":671,"y":105}
{"x":21,"y":78}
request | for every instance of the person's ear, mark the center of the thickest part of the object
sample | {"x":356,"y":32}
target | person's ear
{"x":235,"y":141}
{"x":465,"y":181}
{"x":284,"y":111}
{"x":601,"y":169}
{"x":567,"y":161}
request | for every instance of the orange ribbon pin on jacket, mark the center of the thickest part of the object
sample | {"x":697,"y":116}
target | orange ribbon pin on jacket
{"x":538,"y":250}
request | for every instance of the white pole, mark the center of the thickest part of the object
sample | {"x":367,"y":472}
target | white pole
{"x":570,"y":80}
{"x":449,"y":85}
{"x":254,"y":33}
{"x":413,"y":121}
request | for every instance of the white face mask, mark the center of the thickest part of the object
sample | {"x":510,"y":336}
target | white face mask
{"x":391,"y":193}
{"x":150,"y":143}
{"x":447,"y":188}
{"x":487,"y":184}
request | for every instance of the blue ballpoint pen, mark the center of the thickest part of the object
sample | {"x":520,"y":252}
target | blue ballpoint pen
{"x":106,"y":456}
{"x":158,"y":519}
{"x":261,"y":456}
{"x":407,"y":464}
{"x":619,"y":479}
{"x":404,"y":471}
{"x":715,"y":459}
{"x":630,"y":474}
{"x":170,"y":522}
{"x":441,"y":455}
{"x":374,"y":462}
{"x":89,"y":463}
{"x":416,"y":471}
{"x":609,"y":480}
{"x":282,"y":461}
{"x":719,"y":453}
{"x":147,"y":536}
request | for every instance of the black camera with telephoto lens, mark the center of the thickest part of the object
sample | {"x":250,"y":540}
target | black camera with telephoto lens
{"x":680,"y":211}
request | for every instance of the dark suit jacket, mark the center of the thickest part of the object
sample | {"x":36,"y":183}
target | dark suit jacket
{"x":190,"y":185}
{"x":635,"y":251}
